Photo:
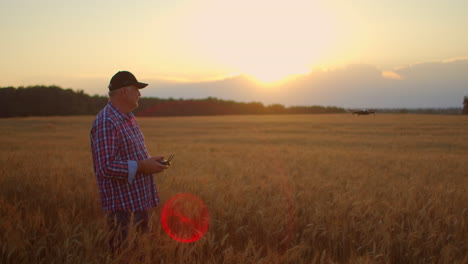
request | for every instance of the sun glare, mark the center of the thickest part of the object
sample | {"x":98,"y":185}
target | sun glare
{"x":268,"y":40}
{"x":270,"y":75}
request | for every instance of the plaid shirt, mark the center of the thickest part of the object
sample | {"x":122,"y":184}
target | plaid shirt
{"x":117,"y":143}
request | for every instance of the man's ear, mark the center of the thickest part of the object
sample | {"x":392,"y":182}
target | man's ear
{"x":124,"y":91}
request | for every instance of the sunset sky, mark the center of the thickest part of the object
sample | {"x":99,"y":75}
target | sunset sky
{"x":81,"y":44}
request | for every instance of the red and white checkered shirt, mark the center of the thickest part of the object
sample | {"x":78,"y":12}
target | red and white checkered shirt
{"x":116,"y":144}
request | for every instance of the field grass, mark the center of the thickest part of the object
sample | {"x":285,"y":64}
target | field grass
{"x":279,"y":189}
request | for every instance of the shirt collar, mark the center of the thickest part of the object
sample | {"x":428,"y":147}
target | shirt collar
{"x":119,"y":114}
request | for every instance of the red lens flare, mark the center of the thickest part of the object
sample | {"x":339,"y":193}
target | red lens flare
{"x":185,"y":218}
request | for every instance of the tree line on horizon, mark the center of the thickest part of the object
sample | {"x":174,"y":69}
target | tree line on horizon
{"x":55,"y":101}
{"x":42,"y":100}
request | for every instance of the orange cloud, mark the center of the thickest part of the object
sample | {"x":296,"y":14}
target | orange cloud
{"x":451,"y":60}
{"x":391,"y":75}
{"x":455,"y":59}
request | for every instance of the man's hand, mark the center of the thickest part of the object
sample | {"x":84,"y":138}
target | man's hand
{"x":151,"y":165}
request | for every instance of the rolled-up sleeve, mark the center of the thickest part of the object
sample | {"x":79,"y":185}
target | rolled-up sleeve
{"x":132,"y":170}
{"x":104,"y":140}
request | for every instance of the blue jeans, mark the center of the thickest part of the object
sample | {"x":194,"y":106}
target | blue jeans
{"x":119,"y":223}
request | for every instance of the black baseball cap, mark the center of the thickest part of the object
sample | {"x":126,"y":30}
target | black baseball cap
{"x":123,"y":79}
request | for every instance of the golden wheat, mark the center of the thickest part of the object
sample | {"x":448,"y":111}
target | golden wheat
{"x":280,"y":189}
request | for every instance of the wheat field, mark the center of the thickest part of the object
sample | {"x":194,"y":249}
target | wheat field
{"x":279,"y":189}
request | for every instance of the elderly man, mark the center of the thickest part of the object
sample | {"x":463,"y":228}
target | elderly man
{"x":122,"y":165}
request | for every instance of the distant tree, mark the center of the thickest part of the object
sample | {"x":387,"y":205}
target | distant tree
{"x":276,"y":109}
{"x":465,"y":105}
{"x":47,"y":100}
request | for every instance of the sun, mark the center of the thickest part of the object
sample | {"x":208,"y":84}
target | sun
{"x":273,"y":74}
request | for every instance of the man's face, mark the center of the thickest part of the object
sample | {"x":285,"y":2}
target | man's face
{"x":131,"y":95}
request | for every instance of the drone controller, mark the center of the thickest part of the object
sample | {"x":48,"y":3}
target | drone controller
{"x":168,"y":161}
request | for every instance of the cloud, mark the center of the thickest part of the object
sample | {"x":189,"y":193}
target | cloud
{"x":391,"y":75}
{"x":455,"y":68}
{"x":430,"y":84}
{"x":456,"y":60}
